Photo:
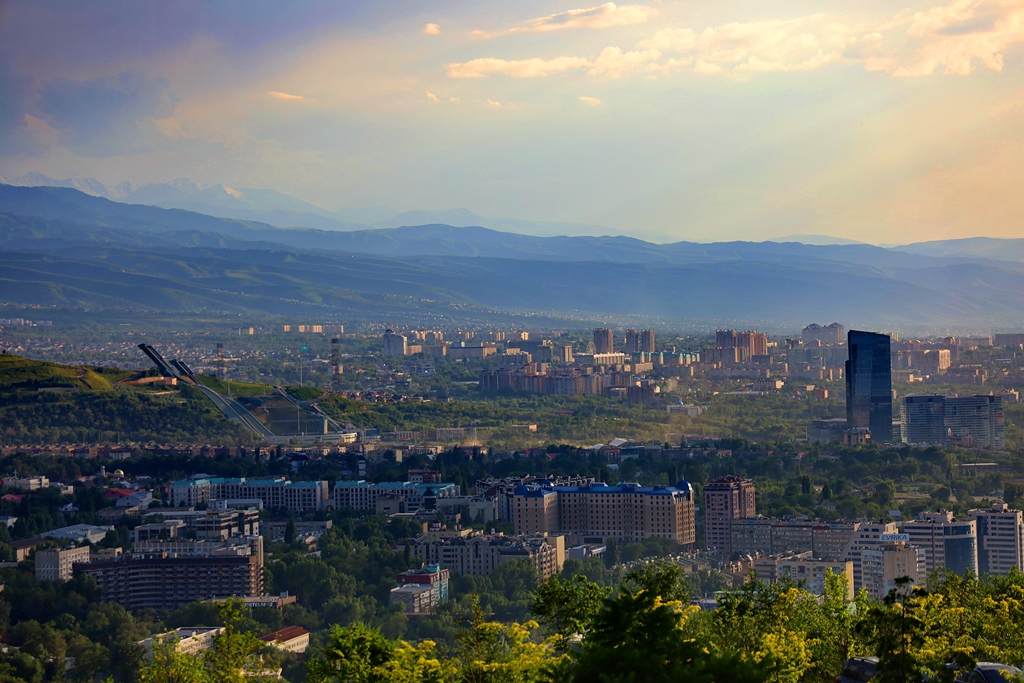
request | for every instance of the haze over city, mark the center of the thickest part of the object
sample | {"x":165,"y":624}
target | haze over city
{"x":667,"y":121}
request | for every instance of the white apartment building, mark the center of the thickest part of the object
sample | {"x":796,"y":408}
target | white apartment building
{"x":1000,"y":539}
{"x":297,"y":496}
{"x":867,"y":536}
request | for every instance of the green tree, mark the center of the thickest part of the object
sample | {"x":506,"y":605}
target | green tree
{"x":567,"y":607}
{"x":660,"y":577}
{"x":289,"y":532}
{"x":356,"y":654}
{"x":611,"y":553}
{"x":895,"y":631}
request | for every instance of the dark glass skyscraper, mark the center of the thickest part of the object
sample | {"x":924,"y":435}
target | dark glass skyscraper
{"x":869,"y":384}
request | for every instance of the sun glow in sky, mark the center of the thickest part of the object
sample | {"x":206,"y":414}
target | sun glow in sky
{"x":665,"y":120}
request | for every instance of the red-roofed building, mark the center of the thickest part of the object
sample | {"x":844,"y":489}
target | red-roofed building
{"x":13,"y":498}
{"x":114,"y":494}
{"x":291,"y":639}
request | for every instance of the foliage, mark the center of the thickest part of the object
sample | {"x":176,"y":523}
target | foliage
{"x":567,"y":607}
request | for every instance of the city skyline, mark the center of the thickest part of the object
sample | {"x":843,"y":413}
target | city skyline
{"x":705,"y":123}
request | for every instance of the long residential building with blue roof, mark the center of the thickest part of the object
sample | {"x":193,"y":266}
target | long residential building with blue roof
{"x":627,"y":512}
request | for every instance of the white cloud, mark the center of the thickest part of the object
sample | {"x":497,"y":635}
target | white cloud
{"x":519,"y":68}
{"x":955,"y":37}
{"x":454,"y":99}
{"x":614,"y":63}
{"x":432,"y":29}
{"x":284,"y":96}
{"x":602,"y":16}
{"x":493,"y":103}
{"x":591,"y":101}
{"x":431,"y":96}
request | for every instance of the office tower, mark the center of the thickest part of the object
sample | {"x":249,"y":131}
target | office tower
{"x":726,"y":499}
{"x":869,"y":384}
{"x":1000,"y":539}
{"x":627,"y":512}
{"x":395,"y":344}
{"x":925,"y":419}
{"x":830,"y":334}
{"x":976,"y":420}
{"x":946,"y":541}
{"x":647,"y":341}
{"x":604,"y":341}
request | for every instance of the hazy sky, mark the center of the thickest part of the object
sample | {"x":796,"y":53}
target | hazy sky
{"x":674,"y":120}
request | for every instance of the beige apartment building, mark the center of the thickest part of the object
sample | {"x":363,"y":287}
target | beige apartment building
{"x":883,"y":564}
{"x":627,"y":512}
{"x":479,"y":555}
{"x":58,"y":565}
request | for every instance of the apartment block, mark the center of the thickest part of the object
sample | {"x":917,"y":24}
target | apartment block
{"x":1000,"y":539}
{"x":361,"y":496}
{"x":58,"y":565}
{"x":866,"y":536}
{"x":297,"y":496}
{"x":166,"y":583}
{"x":421,"y":590}
{"x":884,"y":563}
{"x":725,"y":500}
{"x":825,"y":540}
{"x":604,"y":340}
{"x":504,"y":490}
{"x":946,"y":541}
{"x":804,"y":567}
{"x":480,"y":555}
{"x":627,"y":512}
{"x":189,"y":640}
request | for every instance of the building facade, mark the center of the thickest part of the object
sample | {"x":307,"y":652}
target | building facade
{"x":58,"y":565}
{"x":297,"y":496}
{"x":1000,"y":539}
{"x":361,"y":496}
{"x":946,"y":541}
{"x":627,"y":512}
{"x":480,"y":555}
{"x":883,"y":564}
{"x":395,"y":344}
{"x":725,"y":500}
{"x":825,"y":540}
{"x":604,"y":340}
{"x":869,"y":384}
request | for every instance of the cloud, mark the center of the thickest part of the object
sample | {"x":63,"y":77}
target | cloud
{"x":432,"y":29}
{"x":493,"y":103}
{"x":431,"y":96}
{"x":590,"y":101}
{"x":284,"y":95}
{"x":602,"y":16}
{"x":614,"y":63}
{"x":961,"y":34}
{"x":955,"y":37}
{"x":521,"y":68}
{"x":107,"y":116}
{"x":18,"y":135}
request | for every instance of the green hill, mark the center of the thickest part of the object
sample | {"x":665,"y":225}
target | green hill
{"x":48,"y":403}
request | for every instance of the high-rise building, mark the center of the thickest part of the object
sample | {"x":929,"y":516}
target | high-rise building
{"x":883,"y":564}
{"x":627,"y":512}
{"x":946,"y":541}
{"x":395,"y":344}
{"x":747,"y":344}
{"x":1000,"y":539}
{"x":869,"y":384}
{"x":726,"y":499}
{"x":924,"y":418}
{"x":725,"y":339}
{"x":867,"y":536}
{"x":647,"y":341}
{"x":964,"y":420}
{"x":976,"y":420}
{"x":604,"y":340}
{"x":564,"y":353}
{"x":632,"y":341}
{"x":830,"y":334}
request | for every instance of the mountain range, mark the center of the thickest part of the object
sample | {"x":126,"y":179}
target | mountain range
{"x":64,"y":246}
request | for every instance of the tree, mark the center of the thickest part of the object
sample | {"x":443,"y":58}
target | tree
{"x":660,"y":577}
{"x":636,"y":637}
{"x":611,"y":553}
{"x":289,"y":532}
{"x":356,"y":654}
{"x":567,"y":607}
{"x":896,"y":633}
{"x":234,"y":650}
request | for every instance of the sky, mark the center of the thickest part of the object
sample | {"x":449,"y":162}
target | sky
{"x":670,"y":120}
